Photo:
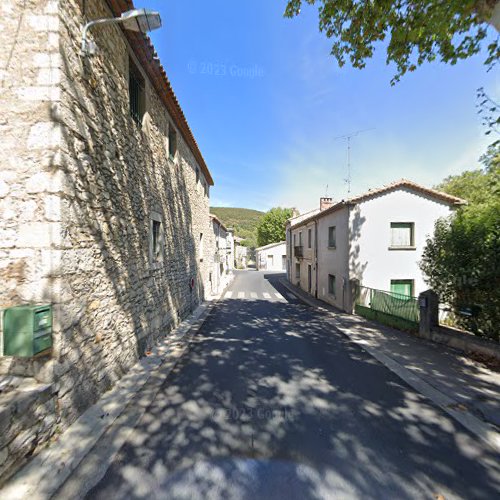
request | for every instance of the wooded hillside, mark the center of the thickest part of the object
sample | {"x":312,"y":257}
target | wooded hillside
{"x":243,"y":220}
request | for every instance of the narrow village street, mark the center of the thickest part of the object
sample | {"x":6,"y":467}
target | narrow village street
{"x":269,"y":401}
{"x":249,"y":250}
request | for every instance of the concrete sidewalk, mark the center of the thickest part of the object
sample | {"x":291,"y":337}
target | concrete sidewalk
{"x":464,"y":388}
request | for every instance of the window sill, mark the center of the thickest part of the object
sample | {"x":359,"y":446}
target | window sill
{"x":402,"y":248}
{"x":332,"y":248}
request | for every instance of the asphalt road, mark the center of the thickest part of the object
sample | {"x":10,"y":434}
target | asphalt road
{"x":271,"y":402}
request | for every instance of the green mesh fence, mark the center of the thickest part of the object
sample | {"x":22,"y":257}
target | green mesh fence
{"x":394,"y":304}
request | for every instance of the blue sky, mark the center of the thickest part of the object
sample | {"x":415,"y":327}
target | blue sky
{"x":265,"y":102}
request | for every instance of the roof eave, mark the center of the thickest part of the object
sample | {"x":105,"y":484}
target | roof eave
{"x":150,"y":62}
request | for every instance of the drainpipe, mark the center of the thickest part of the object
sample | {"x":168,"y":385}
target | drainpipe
{"x":316,"y":257}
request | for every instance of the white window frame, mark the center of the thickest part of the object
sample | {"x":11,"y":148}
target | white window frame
{"x":404,"y":243}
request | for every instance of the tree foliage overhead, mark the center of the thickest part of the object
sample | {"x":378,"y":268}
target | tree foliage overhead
{"x":271,"y":228}
{"x":461,"y":260}
{"x":416,"y":31}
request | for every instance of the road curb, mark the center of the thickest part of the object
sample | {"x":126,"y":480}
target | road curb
{"x":46,"y":474}
{"x":484,"y":431}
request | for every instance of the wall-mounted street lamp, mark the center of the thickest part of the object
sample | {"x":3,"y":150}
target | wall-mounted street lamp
{"x":142,"y":20}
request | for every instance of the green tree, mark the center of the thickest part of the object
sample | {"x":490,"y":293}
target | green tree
{"x":461,"y":260}
{"x":417,"y":31}
{"x":271,"y":228}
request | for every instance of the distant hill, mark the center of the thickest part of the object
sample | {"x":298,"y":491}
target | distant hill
{"x":243,"y":220}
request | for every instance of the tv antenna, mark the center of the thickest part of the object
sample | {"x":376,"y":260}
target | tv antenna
{"x":348,"y":137}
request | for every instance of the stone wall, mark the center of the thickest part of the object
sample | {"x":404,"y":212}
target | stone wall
{"x":79,"y":184}
{"x":430,"y":329}
{"x":30,"y":139}
{"x":28,"y":419}
{"x":115,"y":302}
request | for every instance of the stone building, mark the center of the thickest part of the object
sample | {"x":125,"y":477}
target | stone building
{"x":104,"y":202}
{"x":375,"y":240}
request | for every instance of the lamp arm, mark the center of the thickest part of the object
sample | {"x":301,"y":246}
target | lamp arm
{"x":90,"y":24}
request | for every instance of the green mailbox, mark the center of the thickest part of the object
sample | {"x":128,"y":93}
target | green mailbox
{"x":27,"y":330}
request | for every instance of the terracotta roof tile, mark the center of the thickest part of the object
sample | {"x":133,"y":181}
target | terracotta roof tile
{"x":146,"y":54}
{"x":402,"y":183}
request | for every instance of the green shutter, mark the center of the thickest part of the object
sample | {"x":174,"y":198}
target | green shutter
{"x":402,"y":287}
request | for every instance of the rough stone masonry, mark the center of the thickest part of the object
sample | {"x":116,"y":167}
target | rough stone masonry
{"x":83,"y":187}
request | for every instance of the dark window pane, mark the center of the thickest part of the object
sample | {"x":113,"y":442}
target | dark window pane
{"x":136,"y":93}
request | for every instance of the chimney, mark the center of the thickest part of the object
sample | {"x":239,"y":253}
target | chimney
{"x":325,"y":203}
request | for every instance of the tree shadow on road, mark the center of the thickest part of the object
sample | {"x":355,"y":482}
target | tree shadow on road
{"x":274,"y":383}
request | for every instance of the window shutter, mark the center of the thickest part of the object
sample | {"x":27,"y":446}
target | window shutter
{"x":400,"y":235}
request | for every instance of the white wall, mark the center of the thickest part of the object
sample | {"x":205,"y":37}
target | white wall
{"x":372,"y":262}
{"x":230,"y":250}
{"x":277,"y":252}
{"x":308,"y":259}
{"x":241,"y":256}
{"x":334,"y":261}
{"x":223,"y":257}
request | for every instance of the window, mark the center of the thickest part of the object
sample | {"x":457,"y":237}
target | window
{"x":309,"y":238}
{"x":156,"y":239}
{"x":402,"y":287}
{"x":300,"y":239}
{"x":331,"y":284}
{"x":172,"y":141}
{"x":197,"y":175}
{"x":137,"y":98}
{"x":201,"y":247}
{"x":295,"y":240}
{"x":332,"y":236}
{"x":270,"y":261}
{"x":297,"y":270}
{"x":402,"y":234}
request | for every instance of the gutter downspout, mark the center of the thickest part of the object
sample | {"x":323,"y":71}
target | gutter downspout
{"x":316,"y":257}
{"x":348,"y":281}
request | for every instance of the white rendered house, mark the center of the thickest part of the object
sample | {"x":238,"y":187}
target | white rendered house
{"x":271,"y":257}
{"x":222,"y":261}
{"x":376,"y":238}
